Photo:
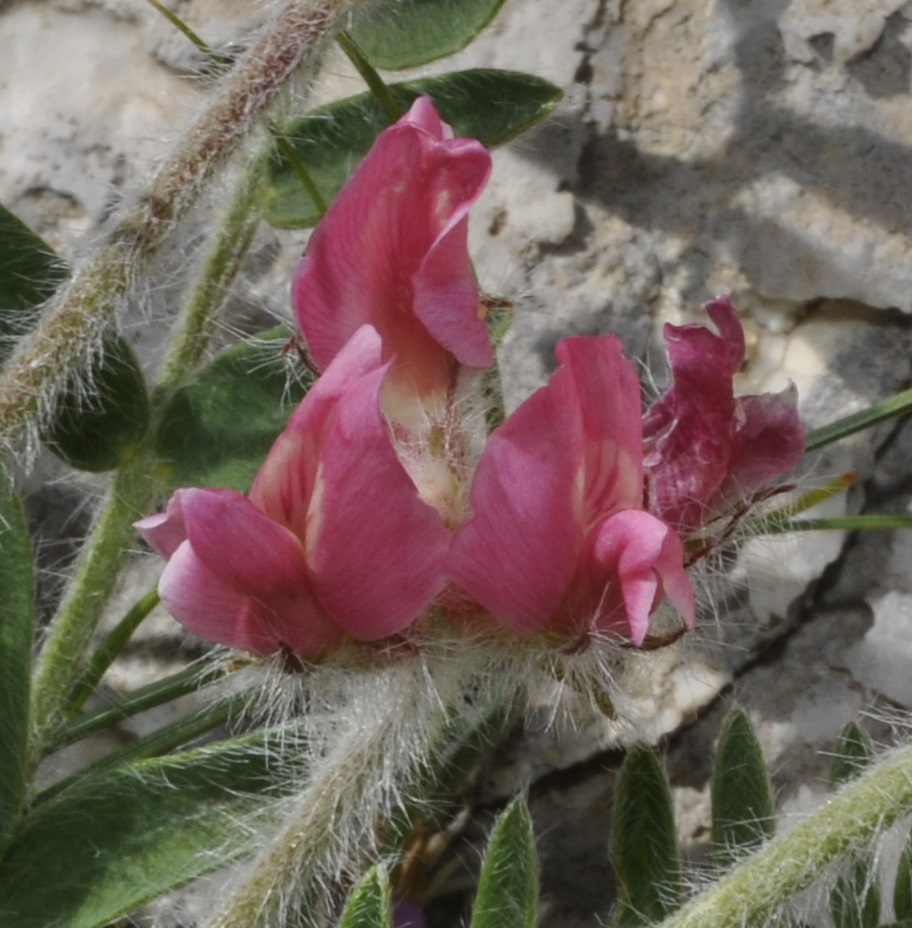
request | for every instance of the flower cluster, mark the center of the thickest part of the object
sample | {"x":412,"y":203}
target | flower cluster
{"x":384,"y":495}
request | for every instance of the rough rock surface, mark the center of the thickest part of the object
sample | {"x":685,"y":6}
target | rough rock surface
{"x":760,"y":147}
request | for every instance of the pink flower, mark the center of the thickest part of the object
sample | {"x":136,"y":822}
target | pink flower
{"x":558,"y":539}
{"x":707,"y":450}
{"x":333,"y":541}
{"x":391,"y":252}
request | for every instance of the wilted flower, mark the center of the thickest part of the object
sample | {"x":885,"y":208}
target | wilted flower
{"x":333,"y":540}
{"x":707,"y":450}
{"x":558,"y":539}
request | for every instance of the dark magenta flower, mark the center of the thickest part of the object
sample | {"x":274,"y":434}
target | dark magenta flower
{"x":707,"y":450}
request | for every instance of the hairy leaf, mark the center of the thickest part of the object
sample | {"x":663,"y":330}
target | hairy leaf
{"x":742,"y":803}
{"x":99,"y":850}
{"x":644,"y":842}
{"x":508,"y":885}
{"x":369,"y":905}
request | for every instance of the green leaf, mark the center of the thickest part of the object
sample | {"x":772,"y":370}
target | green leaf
{"x":508,"y":885}
{"x":30,"y":272}
{"x":855,"y":899}
{"x":644,"y":842}
{"x":853,"y":753}
{"x":217,"y":429}
{"x":902,"y":893}
{"x":100,"y":850}
{"x":489,"y":105}
{"x":97,"y":424}
{"x":742,"y":803}
{"x":17,"y":594}
{"x":416,"y":32}
{"x":369,"y":905}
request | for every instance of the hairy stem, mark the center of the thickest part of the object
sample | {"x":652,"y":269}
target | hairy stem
{"x":75,"y":317}
{"x":384,"y":736}
{"x":764,"y":882}
{"x":130,"y":497}
{"x":227,"y":252}
{"x":60,"y":659}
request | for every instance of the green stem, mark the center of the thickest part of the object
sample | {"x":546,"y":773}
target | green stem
{"x":889,"y":408}
{"x":147,"y":697}
{"x":77,"y":316}
{"x":289,"y":152}
{"x":220,"y":61}
{"x":134,"y":486}
{"x":374,"y":81}
{"x":155,"y":744}
{"x":383,"y":740}
{"x":227,"y":252}
{"x":71,"y":631}
{"x":789,"y":864}
{"x":110,"y":648}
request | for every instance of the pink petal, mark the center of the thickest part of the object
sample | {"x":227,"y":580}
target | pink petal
{"x":688,"y":432}
{"x":607,"y":401}
{"x":241,"y":579}
{"x":516,"y":554}
{"x":564,"y":459}
{"x":285,"y":482}
{"x":423,"y":116}
{"x":206,"y":603}
{"x":630,"y":562}
{"x":391,"y":252}
{"x":375,"y":548}
{"x":164,"y":531}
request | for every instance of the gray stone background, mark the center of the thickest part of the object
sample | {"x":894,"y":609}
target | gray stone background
{"x":757,"y":147}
